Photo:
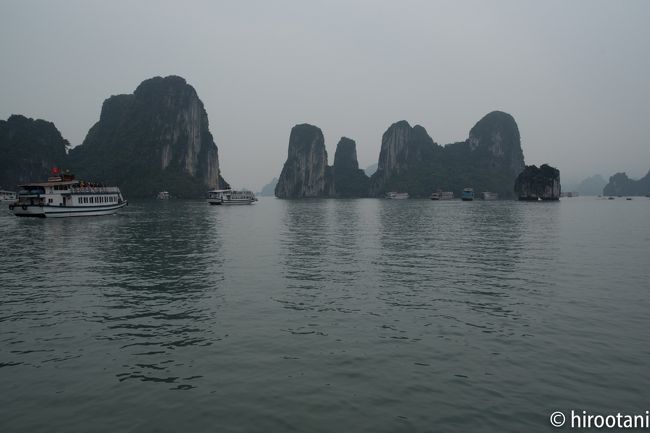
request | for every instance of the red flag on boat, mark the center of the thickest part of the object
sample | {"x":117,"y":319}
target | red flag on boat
{"x":55,"y":170}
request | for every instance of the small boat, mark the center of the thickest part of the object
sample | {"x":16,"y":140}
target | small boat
{"x":64,"y":196}
{"x":610,"y":198}
{"x":7,"y":195}
{"x":230,"y":197}
{"x":468,"y":194}
{"x":442,"y":195}
{"x":397,"y":195}
{"x":163,"y":195}
{"x":490,"y":195}
{"x":628,"y":198}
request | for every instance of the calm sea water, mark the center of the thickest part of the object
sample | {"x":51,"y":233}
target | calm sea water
{"x":325,"y":316}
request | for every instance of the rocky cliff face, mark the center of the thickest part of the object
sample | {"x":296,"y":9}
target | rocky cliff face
{"x":489,"y":160}
{"x":495,"y":139}
{"x":405,"y":152}
{"x":541,"y":183}
{"x":30,"y":149}
{"x":154,"y":139}
{"x":349,"y":180}
{"x":410,"y":161}
{"x":620,"y":184}
{"x":305,"y":173}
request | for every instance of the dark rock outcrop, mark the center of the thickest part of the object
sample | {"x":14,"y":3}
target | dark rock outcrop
{"x":30,"y":149}
{"x":620,"y":184}
{"x":496,"y":142}
{"x":349,"y":180}
{"x":305,"y":173}
{"x":154,"y":139}
{"x":541,"y":183}
{"x":410,"y":161}
{"x":406,"y":160}
{"x":489,"y":160}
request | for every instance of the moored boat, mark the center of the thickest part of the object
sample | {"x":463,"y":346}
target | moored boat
{"x":442,"y":195}
{"x":230,"y":197}
{"x":163,"y":195}
{"x":490,"y":195}
{"x":64,"y":196}
{"x":393,"y":195}
{"x":7,"y":195}
{"x":468,"y":194}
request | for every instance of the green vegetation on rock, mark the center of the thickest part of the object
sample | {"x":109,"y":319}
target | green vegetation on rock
{"x":620,"y":184}
{"x":152,"y":140}
{"x":30,"y":149}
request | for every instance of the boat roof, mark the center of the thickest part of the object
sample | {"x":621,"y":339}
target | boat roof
{"x":51,"y":183}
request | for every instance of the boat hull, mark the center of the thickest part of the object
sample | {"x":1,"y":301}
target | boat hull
{"x":64,"y":211}
{"x":218,"y":202}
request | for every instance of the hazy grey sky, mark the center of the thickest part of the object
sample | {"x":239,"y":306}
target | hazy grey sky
{"x":574,"y":74}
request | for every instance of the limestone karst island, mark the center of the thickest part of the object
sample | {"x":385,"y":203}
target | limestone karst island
{"x":158,"y":139}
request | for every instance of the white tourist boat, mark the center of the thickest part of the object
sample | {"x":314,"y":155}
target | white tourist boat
{"x":64,"y":196}
{"x":230,"y":197}
{"x":442,"y":195}
{"x":7,"y":195}
{"x":397,"y":195}
{"x":163,"y":195}
{"x":490,"y":195}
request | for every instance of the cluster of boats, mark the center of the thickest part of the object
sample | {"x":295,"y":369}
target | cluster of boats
{"x":467,"y":195}
{"x":64,"y":196}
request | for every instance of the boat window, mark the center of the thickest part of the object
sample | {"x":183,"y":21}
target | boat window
{"x":79,"y":200}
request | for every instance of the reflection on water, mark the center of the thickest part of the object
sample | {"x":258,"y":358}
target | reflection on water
{"x":144,"y":283}
{"x":323,"y":315}
{"x":167,"y":292}
{"x":456,"y":259}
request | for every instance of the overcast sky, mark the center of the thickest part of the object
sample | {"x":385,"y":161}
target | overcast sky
{"x":574,"y":74}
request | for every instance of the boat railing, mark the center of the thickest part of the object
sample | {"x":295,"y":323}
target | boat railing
{"x":94,"y":189}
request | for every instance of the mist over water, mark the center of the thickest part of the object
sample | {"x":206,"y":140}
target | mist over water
{"x":324,"y":315}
